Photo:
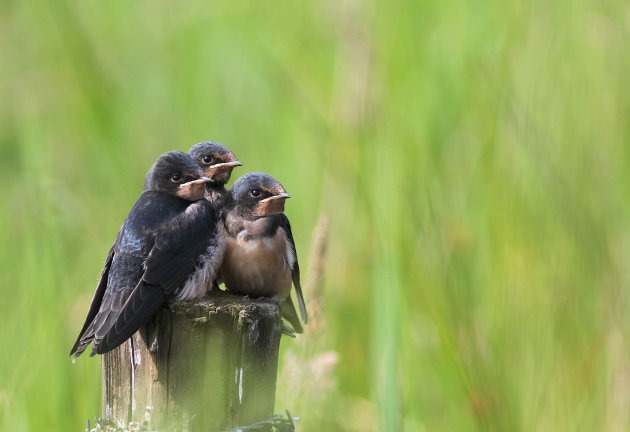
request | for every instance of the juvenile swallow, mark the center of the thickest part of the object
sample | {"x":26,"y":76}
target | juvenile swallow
{"x":217,"y":162}
{"x":166,"y":247}
{"x":260,"y":257}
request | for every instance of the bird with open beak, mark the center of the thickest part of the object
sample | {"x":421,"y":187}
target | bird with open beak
{"x":166,"y":247}
{"x":260,"y":257}
{"x":217,"y":162}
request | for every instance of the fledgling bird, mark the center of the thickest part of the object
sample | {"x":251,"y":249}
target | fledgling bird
{"x":167,"y":246}
{"x":217,"y":162}
{"x":260,"y":257}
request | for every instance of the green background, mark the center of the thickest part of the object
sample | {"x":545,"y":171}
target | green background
{"x":471,"y":158}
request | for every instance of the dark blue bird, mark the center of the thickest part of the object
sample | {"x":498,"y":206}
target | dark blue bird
{"x":168,"y":246}
{"x":260,"y":257}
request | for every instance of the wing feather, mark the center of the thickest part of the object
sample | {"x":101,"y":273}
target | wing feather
{"x":172,"y":259}
{"x":142,"y":304}
{"x":295,"y":269}
{"x":96,"y":301}
{"x":290,"y":314}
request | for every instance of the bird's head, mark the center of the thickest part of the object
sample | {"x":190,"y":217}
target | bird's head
{"x":257,"y":195}
{"x":216,"y":160}
{"x":176,"y":173}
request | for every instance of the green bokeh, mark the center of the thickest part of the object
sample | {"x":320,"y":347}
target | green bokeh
{"x":472,"y":158}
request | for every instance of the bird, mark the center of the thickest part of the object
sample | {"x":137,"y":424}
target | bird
{"x":217,"y":162}
{"x":260,"y":257}
{"x":168,"y":246}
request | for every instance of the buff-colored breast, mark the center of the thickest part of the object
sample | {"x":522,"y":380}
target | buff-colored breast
{"x":257,"y":267}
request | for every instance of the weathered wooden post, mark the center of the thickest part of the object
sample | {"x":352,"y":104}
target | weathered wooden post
{"x":201,"y":365}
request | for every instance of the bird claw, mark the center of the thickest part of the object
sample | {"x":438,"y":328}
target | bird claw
{"x":288,"y":330}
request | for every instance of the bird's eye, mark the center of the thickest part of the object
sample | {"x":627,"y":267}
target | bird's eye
{"x":255,"y":193}
{"x":207,"y":159}
{"x":176,"y":178}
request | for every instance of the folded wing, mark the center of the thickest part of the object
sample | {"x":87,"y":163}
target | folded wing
{"x":173,"y":258}
{"x":146,"y":265}
{"x":295,"y":268}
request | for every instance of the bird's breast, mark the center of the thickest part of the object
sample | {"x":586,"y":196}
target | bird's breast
{"x":257,"y":267}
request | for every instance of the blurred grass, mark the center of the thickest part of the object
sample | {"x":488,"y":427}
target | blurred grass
{"x":472,"y":158}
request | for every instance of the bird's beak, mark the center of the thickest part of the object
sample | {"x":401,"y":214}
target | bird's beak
{"x":226,"y":164}
{"x":221,"y":172}
{"x":198,"y":181}
{"x":194,"y":189}
{"x":282,"y":195}
{"x":272,"y":205}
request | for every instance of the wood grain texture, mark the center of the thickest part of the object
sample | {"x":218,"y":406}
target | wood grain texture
{"x":199,"y":365}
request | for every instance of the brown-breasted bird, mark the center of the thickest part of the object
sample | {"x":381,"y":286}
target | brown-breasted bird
{"x":167,"y":246}
{"x":217,"y":162}
{"x":260,"y":257}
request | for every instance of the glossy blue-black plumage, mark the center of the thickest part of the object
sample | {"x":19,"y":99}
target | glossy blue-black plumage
{"x":159,"y":246}
{"x":156,"y":250}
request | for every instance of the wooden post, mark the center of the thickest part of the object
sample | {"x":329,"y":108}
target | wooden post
{"x":201,"y":365}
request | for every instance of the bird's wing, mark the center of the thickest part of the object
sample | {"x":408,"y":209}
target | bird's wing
{"x":173,"y":257}
{"x":140,"y":305}
{"x":179,"y":245}
{"x":295,"y":268}
{"x":97,"y":300}
{"x":123,"y":269}
{"x":289,"y":313}
{"x":126,"y":270}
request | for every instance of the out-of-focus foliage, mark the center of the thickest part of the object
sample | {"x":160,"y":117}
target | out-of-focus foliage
{"x":472,"y":158}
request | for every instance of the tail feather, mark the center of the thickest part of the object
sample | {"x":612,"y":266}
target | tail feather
{"x":300,"y":299}
{"x":290,"y":314}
